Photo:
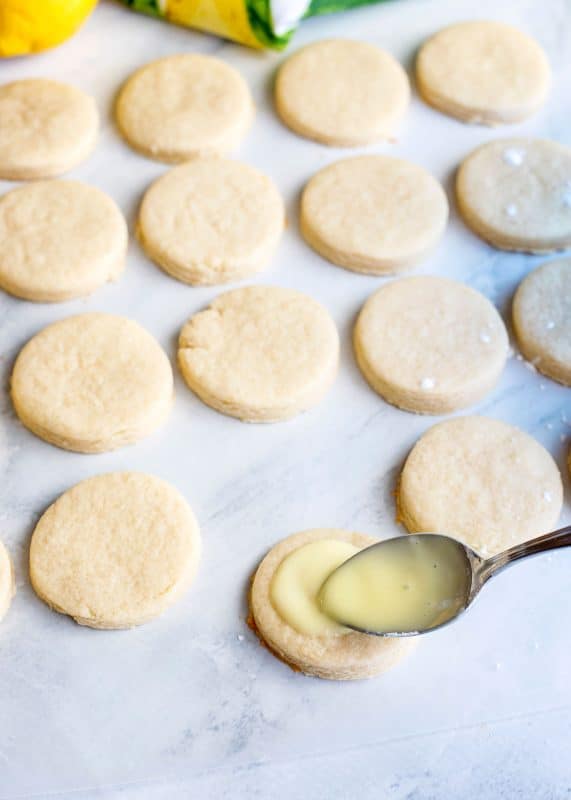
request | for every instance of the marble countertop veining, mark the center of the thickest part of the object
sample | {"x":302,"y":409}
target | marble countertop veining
{"x":190,"y":705}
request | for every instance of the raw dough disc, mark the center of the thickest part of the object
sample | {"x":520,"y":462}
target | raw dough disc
{"x":482,"y":481}
{"x":516,"y":194}
{"x":59,"y":240}
{"x":342,"y":92}
{"x":542,"y":319}
{"x":46,"y":128}
{"x":485,"y":72}
{"x":7,"y":583}
{"x":115,"y":550}
{"x":92,"y":382}
{"x":345,"y":656}
{"x":261,"y":354}
{"x":211,"y":221}
{"x":184,"y":105}
{"x":373,"y":214}
{"x":407,"y":353}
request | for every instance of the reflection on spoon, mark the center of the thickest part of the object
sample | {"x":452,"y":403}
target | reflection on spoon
{"x":416,"y":583}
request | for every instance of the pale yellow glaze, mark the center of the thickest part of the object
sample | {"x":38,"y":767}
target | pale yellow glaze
{"x":410,"y":583}
{"x":295,"y":586}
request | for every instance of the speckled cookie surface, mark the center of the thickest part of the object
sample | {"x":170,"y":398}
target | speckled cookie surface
{"x":342,"y":92}
{"x":59,"y":240}
{"x":481,"y":480}
{"x":92,"y":382}
{"x":483,"y":71}
{"x":46,"y":128}
{"x":373,"y":214}
{"x":261,"y":353}
{"x":542,"y":319}
{"x":404,"y":347}
{"x":345,"y":656}
{"x":115,"y":550}
{"x":211,"y":221}
{"x":516,"y":194}
{"x":184,"y":105}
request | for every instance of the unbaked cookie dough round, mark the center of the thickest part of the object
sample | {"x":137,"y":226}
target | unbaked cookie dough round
{"x":338,"y":653}
{"x":430,"y":345}
{"x":261,"y":353}
{"x":7,"y":582}
{"x":211,"y":221}
{"x":542,"y":319}
{"x":115,"y":551}
{"x":59,"y":240}
{"x":91,"y":383}
{"x":373,"y":214}
{"x":516,"y":194}
{"x":484,"y":72}
{"x":46,"y":128}
{"x":342,"y":92}
{"x":184,"y":105}
{"x":482,"y":481}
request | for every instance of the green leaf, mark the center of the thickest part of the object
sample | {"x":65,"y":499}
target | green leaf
{"x":328,"y":6}
{"x":145,"y":6}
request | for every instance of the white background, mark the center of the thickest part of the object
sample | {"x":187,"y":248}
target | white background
{"x":190,"y":705}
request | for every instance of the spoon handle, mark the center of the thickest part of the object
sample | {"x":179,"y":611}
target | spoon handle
{"x":549,"y":541}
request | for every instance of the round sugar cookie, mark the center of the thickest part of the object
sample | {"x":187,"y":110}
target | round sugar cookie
{"x":59,"y":240}
{"x":373,"y":214}
{"x":342,"y":93}
{"x":211,"y":221}
{"x":430,"y":345}
{"x":338,"y":655}
{"x":91,"y":383}
{"x":115,"y":551}
{"x":542,"y":319}
{"x":261,"y":353}
{"x":185,"y":105}
{"x":484,"y":72}
{"x":482,"y":481}
{"x":516,"y":194}
{"x":46,"y":128}
{"x":7,"y":582}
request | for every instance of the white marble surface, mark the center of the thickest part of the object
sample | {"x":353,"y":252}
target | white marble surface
{"x":191,"y":705}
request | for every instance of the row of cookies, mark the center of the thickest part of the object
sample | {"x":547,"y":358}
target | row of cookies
{"x":339,"y":92}
{"x":95,"y":382}
{"x":215,"y":220}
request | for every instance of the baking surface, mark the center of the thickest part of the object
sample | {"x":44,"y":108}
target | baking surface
{"x":190,"y":705}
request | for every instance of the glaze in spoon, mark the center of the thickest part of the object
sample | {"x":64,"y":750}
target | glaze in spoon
{"x":417,"y":583}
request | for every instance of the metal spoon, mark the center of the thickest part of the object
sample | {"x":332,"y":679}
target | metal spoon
{"x":474,"y":572}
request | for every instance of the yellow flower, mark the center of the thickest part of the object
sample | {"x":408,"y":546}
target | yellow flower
{"x":28,"y":26}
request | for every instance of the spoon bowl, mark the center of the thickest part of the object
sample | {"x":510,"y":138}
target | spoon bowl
{"x":417,"y":583}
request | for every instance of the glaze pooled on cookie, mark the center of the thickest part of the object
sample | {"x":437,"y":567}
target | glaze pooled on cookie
{"x":287,"y":583}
